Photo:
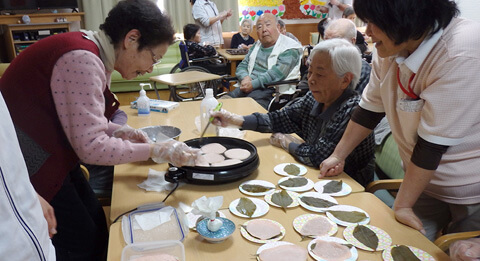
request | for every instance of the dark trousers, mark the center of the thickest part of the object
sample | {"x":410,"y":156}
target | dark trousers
{"x":262,"y":96}
{"x":81,"y":225}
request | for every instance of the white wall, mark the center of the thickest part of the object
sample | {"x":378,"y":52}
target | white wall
{"x":469,"y":9}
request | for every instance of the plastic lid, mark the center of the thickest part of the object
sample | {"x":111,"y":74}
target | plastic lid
{"x":208,"y":93}
{"x":152,"y":249}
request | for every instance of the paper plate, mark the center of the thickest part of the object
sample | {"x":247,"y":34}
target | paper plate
{"x":347,"y":208}
{"x":257,"y":182}
{"x":300,"y":221}
{"x":346,"y":189}
{"x":384,"y":239}
{"x":192,"y":218}
{"x":315,"y":195}
{"x":279,"y":170}
{"x":293,"y":195}
{"x":249,"y":237}
{"x":306,"y":187}
{"x":422,"y":255}
{"x":353,"y":250}
{"x":262,"y":208}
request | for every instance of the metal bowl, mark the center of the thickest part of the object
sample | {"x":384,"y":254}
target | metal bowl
{"x":161,"y":133}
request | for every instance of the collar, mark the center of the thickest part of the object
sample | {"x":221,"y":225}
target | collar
{"x":415,"y":60}
{"x":104,"y":44}
{"x":317,"y":107}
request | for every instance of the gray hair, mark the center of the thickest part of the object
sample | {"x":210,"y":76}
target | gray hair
{"x":247,"y":21}
{"x":345,"y":58}
{"x":343,"y":28}
{"x":280,"y":22}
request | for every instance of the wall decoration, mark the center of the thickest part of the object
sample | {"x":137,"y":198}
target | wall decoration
{"x":252,"y":9}
{"x":312,"y":8}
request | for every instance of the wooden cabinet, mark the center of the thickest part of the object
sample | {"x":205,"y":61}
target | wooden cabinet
{"x":19,"y":36}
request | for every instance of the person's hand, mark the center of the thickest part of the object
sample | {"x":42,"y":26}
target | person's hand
{"x":175,"y":152}
{"x":242,"y":46}
{"x":283,"y":140}
{"x":321,"y":9}
{"x":332,"y":166}
{"x":229,"y":13}
{"x":246,"y":85}
{"x":334,"y":2}
{"x":49,"y":215}
{"x":407,"y":217}
{"x":465,"y":250}
{"x":223,"y":15}
{"x":225,"y":118}
{"x":134,"y":135}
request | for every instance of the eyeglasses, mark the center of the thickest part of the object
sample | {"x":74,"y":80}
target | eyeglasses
{"x":155,"y":60}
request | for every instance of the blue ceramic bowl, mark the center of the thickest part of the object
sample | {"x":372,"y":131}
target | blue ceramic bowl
{"x":218,"y":236}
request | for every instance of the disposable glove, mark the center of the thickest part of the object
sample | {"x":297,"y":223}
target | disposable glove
{"x":134,"y":135}
{"x":283,"y":140}
{"x":465,"y":250}
{"x":175,"y":152}
{"x":224,"y":118}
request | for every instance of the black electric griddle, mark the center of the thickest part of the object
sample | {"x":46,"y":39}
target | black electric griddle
{"x":216,"y":175}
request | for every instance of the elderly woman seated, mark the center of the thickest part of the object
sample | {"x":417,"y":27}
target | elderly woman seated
{"x":321,"y":116}
{"x":243,"y":39}
{"x":196,"y":50}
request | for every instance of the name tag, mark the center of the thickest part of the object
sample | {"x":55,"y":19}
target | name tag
{"x":409,"y":105}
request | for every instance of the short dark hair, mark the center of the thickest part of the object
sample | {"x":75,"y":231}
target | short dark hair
{"x":154,"y":26}
{"x":190,"y":30}
{"x":192,"y":1}
{"x":404,"y":20}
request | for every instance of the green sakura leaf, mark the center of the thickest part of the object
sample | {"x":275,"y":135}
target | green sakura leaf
{"x":282,"y":199}
{"x":349,"y":216}
{"x":292,"y":169}
{"x":294,"y":182}
{"x":246,"y":207}
{"x":255,"y":188}
{"x":403,"y":253}
{"x":317,"y":202}
{"x":333,"y":186}
{"x":366,"y":236}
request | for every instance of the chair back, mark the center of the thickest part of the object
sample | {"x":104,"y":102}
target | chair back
{"x":185,"y":62}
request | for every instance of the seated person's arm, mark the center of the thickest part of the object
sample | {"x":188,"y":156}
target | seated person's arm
{"x":197,"y":51}
{"x":285,"y":64}
{"x":242,"y":68}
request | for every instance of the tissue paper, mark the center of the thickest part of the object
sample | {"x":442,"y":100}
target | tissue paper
{"x":156,"y":182}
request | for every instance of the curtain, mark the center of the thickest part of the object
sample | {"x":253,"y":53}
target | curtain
{"x":95,"y":12}
{"x":180,"y":12}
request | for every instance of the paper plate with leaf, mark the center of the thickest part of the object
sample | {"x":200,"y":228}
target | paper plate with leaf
{"x":316,"y":202}
{"x":297,"y":184}
{"x":290,"y":169}
{"x":402,"y":252}
{"x":262,"y":230}
{"x":194,"y":219}
{"x":345,"y":215}
{"x":313,"y":225}
{"x":331,"y":248}
{"x":334,"y":188}
{"x":273,"y":251}
{"x":367,"y":237}
{"x":256,"y":187}
{"x":282,"y":199}
{"x":248,"y":207}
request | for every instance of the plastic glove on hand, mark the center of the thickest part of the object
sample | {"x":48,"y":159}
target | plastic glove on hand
{"x":283,"y":140}
{"x":175,"y":152}
{"x":224,"y":118}
{"x":134,"y":135}
{"x":465,"y":250}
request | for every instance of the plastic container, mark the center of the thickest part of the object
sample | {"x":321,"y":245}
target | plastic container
{"x":208,"y":103}
{"x":174,"y":229}
{"x":148,"y":249}
{"x":143,"y":102}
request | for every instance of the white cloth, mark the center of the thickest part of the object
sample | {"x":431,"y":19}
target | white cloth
{"x":283,"y":43}
{"x":23,"y":228}
{"x":104,"y":43}
{"x":202,"y":11}
{"x":334,"y":12}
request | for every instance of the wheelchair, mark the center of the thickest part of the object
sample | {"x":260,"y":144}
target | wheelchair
{"x":196,"y":91}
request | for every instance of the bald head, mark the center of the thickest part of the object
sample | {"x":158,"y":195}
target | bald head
{"x":267,"y":30}
{"x":341,"y":28}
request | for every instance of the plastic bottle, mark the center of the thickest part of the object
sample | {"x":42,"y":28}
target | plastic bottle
{"x":208,"y":103}
{"x":143,"y":102}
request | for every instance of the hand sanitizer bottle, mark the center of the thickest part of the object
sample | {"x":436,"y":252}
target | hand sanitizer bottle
{"x":143,"y":102}
{"x":208,"y":103}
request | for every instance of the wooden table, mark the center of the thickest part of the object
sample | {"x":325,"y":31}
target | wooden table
{"x":232,"y":59}
{"x":238,"y":248}
{"x":175,"y":79}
